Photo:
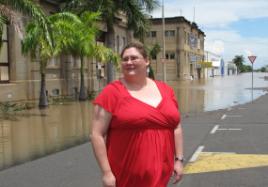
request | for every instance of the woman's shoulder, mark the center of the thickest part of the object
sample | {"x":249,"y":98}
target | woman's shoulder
{"x":163,"y":85}
{"x":113,"y":88}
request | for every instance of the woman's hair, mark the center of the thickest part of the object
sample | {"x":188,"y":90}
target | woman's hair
{"x":137,"y":45}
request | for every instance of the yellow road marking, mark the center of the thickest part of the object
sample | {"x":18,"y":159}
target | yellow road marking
{"x":212,"y":162}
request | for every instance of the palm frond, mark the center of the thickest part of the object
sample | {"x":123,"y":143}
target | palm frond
{"x":28,"y":7}
{"x":137,"y":18}
{"x":148,"y":5}
{"x":7,"y":14}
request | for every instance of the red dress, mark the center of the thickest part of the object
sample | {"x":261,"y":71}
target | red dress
{"x":140,"y":139}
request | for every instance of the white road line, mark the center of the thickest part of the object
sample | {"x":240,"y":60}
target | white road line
{"x":196,"y":153}
{"x":215,"y":128}
{"x":230,"y":129}
{"x":223,"y":117}
{"x":233,"y":129}
{"x":220,"y":152}
{"x":234,"y":116}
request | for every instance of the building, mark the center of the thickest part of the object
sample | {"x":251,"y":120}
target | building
{"x":218,"y":66}
{"x":20,"y":76}
{"x":231,"y":68}
{"x":184,"y":44}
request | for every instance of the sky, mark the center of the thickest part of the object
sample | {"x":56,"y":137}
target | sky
{"x":232,"y":27}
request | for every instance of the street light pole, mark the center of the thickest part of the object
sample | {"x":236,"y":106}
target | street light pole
{"x":163,"y":45}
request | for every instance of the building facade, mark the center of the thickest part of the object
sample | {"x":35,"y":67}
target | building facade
{"x":20,"y":75}
{"x":218,"y":66}
{"x":184,"y":48}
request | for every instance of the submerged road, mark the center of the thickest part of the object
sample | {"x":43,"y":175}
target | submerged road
{"x":226,"y":148}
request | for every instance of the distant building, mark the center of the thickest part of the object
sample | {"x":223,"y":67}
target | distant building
{"x":231,"y":68}
{"x":20,"y":77}
{"x":184,"y":43}
{"x":218,"y":66}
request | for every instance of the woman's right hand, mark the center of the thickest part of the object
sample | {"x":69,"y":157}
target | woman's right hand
{"x":108,"y":179}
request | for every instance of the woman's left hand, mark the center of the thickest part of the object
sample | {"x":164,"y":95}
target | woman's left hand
{"x":178,"y":171}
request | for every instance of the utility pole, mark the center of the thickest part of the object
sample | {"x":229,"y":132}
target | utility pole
{"x":163,"y":45}
{"x":252,"y":59}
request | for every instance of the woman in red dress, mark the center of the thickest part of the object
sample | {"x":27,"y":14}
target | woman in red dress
{"x":136,"y":131}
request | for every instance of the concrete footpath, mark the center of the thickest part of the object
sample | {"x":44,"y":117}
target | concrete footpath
{"x":77,"y":166}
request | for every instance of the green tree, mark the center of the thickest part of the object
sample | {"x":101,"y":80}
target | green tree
{"x":247,"y":68}
{"x":263,"y":69}
{"x":39,"y":46}
{"x":79,"y":39}
{"x":238,"y":61}
{"x":10,"y":11}
{"x":153,"y":52}
{"x":134,"y":10}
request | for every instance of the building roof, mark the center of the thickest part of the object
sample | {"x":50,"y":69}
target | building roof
{"x":178,"y":19}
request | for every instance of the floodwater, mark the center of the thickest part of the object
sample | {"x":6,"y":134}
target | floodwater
{"x":37,"y":133}
{"x":219,"y":92}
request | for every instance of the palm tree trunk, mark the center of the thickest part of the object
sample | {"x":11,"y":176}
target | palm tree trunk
{"x":43,"y":100}
{"x":82,"y":93}
{"x":110,"y":44}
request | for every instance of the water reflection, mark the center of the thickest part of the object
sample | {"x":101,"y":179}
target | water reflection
{"x":54,"y":129}
{"x":218,"y":92}
{"x":42,"y":132}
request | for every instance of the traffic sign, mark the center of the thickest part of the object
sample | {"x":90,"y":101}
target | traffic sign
{"x":252,"y":58}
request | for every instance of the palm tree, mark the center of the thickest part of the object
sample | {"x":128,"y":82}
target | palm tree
{"x":134,"y":10}
{"x":10,"y":11}
{"x":238,"y":61}
{"x":153,"y":52}
{"x":38,"y":44}
{"x":78,"y":39}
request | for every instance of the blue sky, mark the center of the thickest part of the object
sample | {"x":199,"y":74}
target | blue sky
{"x":232,"y":27}
{"x":251,"y":27}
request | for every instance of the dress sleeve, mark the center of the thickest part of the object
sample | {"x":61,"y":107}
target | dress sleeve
{"x":107,"y":99}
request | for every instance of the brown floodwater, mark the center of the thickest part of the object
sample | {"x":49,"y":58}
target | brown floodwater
{"x":37,"y":133}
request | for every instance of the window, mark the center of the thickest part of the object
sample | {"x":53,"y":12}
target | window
{"x":192,"y":40}
{"x":170,"y":33}
{"x":151,"y":34}
{"x":55,"y":92}
{"x":4,"y":63}
{"x":170,"y":55}
{"x":154,"y":57}
{"x":167,"y":56}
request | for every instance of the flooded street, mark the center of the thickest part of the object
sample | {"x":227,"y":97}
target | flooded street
{"x":42,"y":132}
{"x":218,"y":92}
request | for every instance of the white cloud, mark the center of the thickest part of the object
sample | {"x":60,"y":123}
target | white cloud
{"x":216,"y":47}
{"x":214,"y":18}
{"x":234,"y":44}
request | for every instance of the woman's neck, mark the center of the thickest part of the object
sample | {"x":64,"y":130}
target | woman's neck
{"x":135,"y":83}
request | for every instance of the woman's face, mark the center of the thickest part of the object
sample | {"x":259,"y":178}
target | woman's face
{"x":133,"y":63}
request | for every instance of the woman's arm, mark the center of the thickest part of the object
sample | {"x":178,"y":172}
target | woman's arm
{"x":178,"y":165}
{"x":100,"y":125}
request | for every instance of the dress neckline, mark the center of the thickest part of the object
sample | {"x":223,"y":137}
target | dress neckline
{"x":142,"y":102}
